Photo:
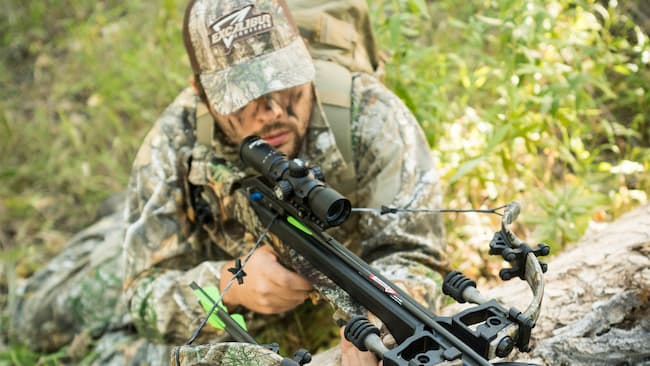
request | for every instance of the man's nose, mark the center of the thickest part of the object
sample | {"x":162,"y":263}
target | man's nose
{"x":270,"y":110}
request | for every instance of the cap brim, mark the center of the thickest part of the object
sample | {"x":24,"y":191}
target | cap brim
{"x":230,"y":89}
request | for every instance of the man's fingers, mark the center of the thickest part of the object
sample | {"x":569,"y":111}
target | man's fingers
{"x":276,"y":306}
{"x":268,"y":249}
{"x":294,"y":281}
{"x":351,"y":356}
{"x":269,"y":287}
{"x":283,"y":277}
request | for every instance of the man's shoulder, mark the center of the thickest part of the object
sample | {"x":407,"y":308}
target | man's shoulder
{"x":376,"y":110}
{"x":371,"y":96}
{"x":177,"y":121}
{"x":364,"y":83}
{"x":177,"y":114}
{"x":364,"y":79}
{"x":173,"y":130}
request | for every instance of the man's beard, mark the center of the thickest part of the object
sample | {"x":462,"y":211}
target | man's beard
{"x":295,"y":138}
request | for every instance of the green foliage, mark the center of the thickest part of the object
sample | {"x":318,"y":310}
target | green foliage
{"x":309,"y":327}
{"x":522,"y":97}
{"x":568,"y":209}
{"x":19,"y":356}
{"x":82,"y":83}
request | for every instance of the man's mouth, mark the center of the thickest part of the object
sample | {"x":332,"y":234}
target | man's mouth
{"x":277,"y":138}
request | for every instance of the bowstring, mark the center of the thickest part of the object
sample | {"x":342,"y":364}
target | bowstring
{"x":386,"y":210}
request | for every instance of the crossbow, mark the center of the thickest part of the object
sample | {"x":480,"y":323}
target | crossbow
{"x":293,"y":201}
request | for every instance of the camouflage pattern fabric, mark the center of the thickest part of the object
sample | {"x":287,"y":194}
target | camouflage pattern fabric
{"x":125,"y":348}
{"x":76,"y":300}
{"x":79,"y":290}
{"x":225,"y":354}
{"x":169,"y":244}
{"x":244,"y":354}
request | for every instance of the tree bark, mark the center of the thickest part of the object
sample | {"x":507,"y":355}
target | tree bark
{"x":596,"y":308}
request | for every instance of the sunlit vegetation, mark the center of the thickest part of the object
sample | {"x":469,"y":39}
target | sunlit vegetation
{"x":543,"y":102}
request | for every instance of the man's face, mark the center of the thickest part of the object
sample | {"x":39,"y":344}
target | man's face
{"x":281,"y":118}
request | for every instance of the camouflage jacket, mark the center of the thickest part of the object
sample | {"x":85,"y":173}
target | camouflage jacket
{"x":167,"y":246}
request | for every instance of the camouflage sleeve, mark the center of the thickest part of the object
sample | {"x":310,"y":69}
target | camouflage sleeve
{"x":395,"y":168}
{"x":163,"y":250}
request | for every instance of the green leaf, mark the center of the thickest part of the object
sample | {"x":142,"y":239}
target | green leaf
{"x":466,"y":168}
{"x":419,"y":7}
{"x":403,"y":93}
{"x":490,"y":21}
{"x":497,"y":137}
{"x":394,"y":26}
{"x":622,"y":69}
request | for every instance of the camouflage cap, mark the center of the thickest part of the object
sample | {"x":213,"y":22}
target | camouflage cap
{"x":243,"y":49}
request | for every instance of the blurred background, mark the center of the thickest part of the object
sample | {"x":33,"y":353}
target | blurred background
{"x":543,"y":102}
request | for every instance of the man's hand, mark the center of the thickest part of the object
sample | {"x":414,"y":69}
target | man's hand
{"x":268,"y":287}
{"x":351,"y":356}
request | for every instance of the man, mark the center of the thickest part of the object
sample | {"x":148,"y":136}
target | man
{"x":188,"y":222}
{"x":255,"y":75}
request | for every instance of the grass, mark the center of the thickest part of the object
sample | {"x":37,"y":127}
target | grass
{"x":83,"y":85}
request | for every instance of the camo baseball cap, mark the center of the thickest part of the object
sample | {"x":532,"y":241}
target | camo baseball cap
{"x":241,"y":50}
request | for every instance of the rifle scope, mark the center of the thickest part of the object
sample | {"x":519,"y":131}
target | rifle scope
{"x":295,"y":182}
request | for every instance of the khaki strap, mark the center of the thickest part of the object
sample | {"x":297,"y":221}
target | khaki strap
{"x":204,"y":125}
{"x":334,"y":88}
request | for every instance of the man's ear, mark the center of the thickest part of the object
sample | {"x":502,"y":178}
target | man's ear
{"x":195,"y":88}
